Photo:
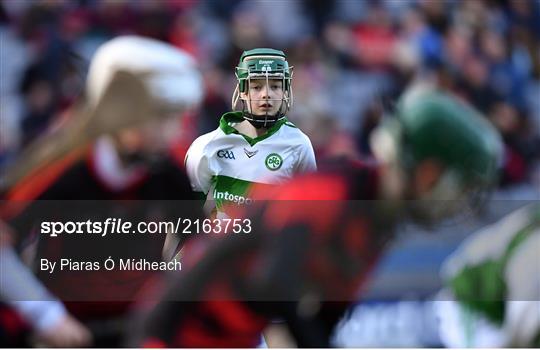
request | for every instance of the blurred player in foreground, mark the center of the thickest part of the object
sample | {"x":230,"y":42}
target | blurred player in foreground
{"x":316,"y":238}
{"x":28,"y":310}
{"x":493,"y":286}
{"x":256,"y":145}
{"x":136,"y":88}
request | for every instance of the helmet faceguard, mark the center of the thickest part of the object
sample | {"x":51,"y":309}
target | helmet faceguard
{"x":262,"y":64}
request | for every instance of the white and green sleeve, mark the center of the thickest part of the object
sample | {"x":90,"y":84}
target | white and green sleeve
{"x":494,"y":277}
{"x":306,"y":161}
{"x":198,"y":165}
{"x":522,"y":276}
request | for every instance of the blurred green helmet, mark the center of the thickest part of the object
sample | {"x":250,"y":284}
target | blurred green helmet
{"x":437,"y":126}
{"x":267,"y":64}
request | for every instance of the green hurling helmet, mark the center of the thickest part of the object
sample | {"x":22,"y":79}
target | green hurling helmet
{"x":267,"y":64}
{"x":437,"y":126}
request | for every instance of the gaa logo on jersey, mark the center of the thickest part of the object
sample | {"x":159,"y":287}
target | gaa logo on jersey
{"x":225,"y":154}
{"x":273,"y":161}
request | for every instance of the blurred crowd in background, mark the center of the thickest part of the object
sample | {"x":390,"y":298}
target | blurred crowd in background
{"x":351,"y":58}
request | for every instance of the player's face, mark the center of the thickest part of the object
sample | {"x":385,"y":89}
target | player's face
{"x":153,"y":137}
{"x":436,"y":193}
{"x":262,"y":98}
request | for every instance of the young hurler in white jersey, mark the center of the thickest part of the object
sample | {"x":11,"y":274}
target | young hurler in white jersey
{"x":256,"y":145}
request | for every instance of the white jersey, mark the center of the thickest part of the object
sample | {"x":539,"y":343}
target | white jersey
{"x":494,"y":281}
{"x":224,"y":163}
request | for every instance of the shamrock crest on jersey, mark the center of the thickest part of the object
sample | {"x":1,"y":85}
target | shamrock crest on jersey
{"x":273,"y":161}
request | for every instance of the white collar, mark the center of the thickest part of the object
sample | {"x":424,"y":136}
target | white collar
{"x":109,"y":168}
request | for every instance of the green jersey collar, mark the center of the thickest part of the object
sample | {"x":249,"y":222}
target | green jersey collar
{"x":236,"y":117}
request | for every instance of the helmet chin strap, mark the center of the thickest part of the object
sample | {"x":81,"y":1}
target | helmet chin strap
{"x":257,"y":121}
